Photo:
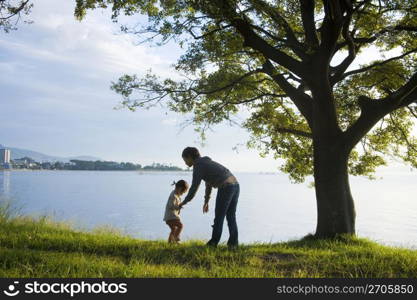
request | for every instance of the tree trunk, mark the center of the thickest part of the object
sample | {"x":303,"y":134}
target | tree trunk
{"x":335,"y":207}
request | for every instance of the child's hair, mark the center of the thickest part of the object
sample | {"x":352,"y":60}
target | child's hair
{"x":191,"y":152}
{"x":182,"y":184}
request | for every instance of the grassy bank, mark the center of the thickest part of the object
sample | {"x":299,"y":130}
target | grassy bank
{"x":42,"y":248}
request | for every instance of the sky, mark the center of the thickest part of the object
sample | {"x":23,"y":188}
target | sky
{"x":55,"y":77}
{"x":56,"y":99}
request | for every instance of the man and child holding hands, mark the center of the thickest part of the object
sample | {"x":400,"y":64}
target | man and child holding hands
{"x":215,"y":176}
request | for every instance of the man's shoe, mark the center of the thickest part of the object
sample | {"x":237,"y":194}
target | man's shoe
{"x":211,"y":244}
{"x":233,"y":247}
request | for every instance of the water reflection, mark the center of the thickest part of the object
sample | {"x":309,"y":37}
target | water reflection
{"x":5,"y":183}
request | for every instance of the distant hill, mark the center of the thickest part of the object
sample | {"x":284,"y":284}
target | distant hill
{"x":40,"y":157}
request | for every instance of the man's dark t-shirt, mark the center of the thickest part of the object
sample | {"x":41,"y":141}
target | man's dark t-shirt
{"x":213,"y":173}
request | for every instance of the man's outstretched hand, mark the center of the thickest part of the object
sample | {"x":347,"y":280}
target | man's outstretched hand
{"x":205,"y":208}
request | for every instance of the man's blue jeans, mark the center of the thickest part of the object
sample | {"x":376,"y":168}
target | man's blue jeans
{"x":226,"y":203}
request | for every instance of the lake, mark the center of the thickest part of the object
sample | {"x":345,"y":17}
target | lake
{"x":270,"y":208}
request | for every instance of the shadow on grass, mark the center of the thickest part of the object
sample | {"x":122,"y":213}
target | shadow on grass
{"x":312,"y":242}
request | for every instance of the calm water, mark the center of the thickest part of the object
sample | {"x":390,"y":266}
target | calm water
{"x":270,"y":208}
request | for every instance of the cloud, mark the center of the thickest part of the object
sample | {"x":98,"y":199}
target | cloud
{"x":64,"y":62}
{"x":170,"y":122}
{"x":95,"y":43}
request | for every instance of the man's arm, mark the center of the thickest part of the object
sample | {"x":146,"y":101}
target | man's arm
{"x":194,"y":186}
{"x":207,"y":197}
{"x":208,"y":192}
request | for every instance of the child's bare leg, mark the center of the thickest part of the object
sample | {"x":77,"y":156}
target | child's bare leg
{"x":171,"y":238}
{"x":178,"y":231}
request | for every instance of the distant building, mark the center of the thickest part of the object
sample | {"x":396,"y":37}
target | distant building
{"x":24,"y":162}
{"x":4,"y":156}
{"x":46,"y":165}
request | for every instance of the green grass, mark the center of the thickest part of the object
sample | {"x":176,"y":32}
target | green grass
{"x":39,"y":247}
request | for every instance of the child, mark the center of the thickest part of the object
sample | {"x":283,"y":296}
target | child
{"x":172,"y":211}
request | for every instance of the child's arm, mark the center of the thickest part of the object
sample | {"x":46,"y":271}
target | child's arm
{"x":173,"y":205}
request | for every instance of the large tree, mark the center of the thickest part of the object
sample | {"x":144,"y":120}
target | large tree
{"x":291,"y":65}
{"x":11,"y":12}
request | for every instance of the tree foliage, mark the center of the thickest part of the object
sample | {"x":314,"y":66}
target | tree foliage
{"x":290,"y":65}
{"x":12,"y":11}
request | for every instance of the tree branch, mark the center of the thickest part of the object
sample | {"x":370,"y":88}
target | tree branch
{"x":404,"y":134}
{"x":274,"y":14}
{"x":367,"y":68}
{"x":372,"y":110}
{"x":231,"y":84}
{"x":371,"y":39}
{"x":309,"y":25}
{"x":332,"y":26}
{"x":294,"y":131}
{"x":412,"y":112}
{"x":404,"y":96}
{"x":342,"y":67}
{"x":15,"y":10}
{"x":197,"y":37}
{"x":251,"y":39}
{"x":411,"y":96}
{"x":259,"y":97}
{"x":300,"y":99}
